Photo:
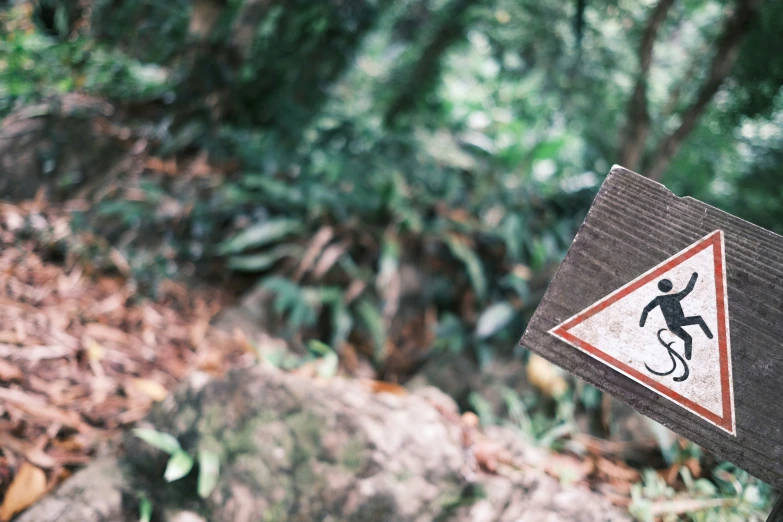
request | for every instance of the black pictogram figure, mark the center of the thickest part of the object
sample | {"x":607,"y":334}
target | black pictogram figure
{"x":674,"y":316}
{"x":674,"y":356}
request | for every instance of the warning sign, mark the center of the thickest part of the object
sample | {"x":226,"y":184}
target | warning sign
{"x":668,"y":329}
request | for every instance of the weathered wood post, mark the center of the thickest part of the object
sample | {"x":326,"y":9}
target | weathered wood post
{"x":675,"y":308}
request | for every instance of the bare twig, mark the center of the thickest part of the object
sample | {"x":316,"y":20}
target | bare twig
{"x":689,"y":505}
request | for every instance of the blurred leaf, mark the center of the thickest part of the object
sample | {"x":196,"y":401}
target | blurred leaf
{"x":190,"y":134}
{"x":152,"y":389}
{"x":145,"y":508}
{"x":494,"y":319}
{"x":292,"y":300}
{"x":389,"y":263}
{"x":482,"y":408}
{"x":591,"y":397}
{"x":328,"y":366}
{"x":519,"y":285}
{"x":264,"y":260}
{"x":548,"y":438}
{"x":517,"y":411}
{"x":162,"y":441}
{"x":260,"y":234}
{"x":29,"y":485}
{"x":318,"y":348}
{"x":548,"y":149}
{"x":342,"y":324}
{"x":705,"y":487}
{"x":275,"y":191}
{"x":513,"y":232}
{"x":208,"y":472}
{"x":179,"y":465}
{"x":485,"y":354}
{"x":450,"y":333}
{"x":667,"y":440}
{"x":373,"y":321}
{"x":472,"y":264}
{"x":546,"y":377}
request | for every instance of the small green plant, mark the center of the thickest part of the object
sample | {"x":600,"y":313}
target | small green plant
{"x":181,"y":462}
{"x":327,"y":358}
{"x":733,"y":496}
{"x":145,"y":508}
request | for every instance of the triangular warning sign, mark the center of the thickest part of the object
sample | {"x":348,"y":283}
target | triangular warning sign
{"x":668,"y":330}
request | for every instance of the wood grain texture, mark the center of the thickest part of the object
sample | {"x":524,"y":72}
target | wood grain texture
{"x":633,"y":225}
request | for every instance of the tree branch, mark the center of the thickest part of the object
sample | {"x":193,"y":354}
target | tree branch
{"x":579,"y":23}
{"x":734,"y":30}
{"x":637,"y":125}
{"x":245,"y":24}
{"x":422,"y":76}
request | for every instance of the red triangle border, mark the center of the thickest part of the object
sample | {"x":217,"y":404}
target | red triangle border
{"x":715,"y":240}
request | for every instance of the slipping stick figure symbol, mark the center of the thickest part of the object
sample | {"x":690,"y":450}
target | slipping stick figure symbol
{"x":675,"y":320}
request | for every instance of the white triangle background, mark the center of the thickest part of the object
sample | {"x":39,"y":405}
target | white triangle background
{"x":616,"y":332}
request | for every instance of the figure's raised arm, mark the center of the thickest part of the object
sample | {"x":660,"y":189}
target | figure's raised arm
{"x":690,"y":286}
{"x":647,"y":309}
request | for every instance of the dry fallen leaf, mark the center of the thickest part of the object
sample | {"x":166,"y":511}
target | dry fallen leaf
{"x":620,"y":472}
{"x":105,"y":333}
{"x":9,"y":372}
{"x":490,"y":455}
{"x":568,"y":469}
{"x":165,"y":166}
{"x":35,"y":455}
{"x":95,"y":350}
{"x":470,"y":419}
{"x":386,"y":387}
{"x":546,"y":377}
{"x":57,"y":318}
{"x":28,"y":485}
{"x":36,"y":406}
{"x":152,"y":389}
{"x":619,"y":497}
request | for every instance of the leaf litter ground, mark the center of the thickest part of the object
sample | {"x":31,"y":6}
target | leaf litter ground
{"x":81,"y":355}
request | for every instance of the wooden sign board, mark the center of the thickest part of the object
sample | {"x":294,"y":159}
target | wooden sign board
{"x":675,"y":308}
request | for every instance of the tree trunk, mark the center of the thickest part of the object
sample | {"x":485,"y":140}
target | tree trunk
{"x":287,"y":74}
{"x":419,"y":79}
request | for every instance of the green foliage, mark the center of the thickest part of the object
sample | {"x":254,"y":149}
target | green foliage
{"x":156,"y":439}
{"x":145,"y":508}
{"x":531,"y":415}
{"x":262,"y":261}
{"x":472,"y":264}
{"x":328,"y":358}
{"x":180,"y":464}
{"x":296,"y":303}
{"x":733,"y":496}
{"x":208,"y":472}
{"x":34,"y":65}
{"x":149,"y":30}
{"x":373,"y":322}
{"x":260,"y":234}
{"x":494,"y":319}
{"x":759,"y":73}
